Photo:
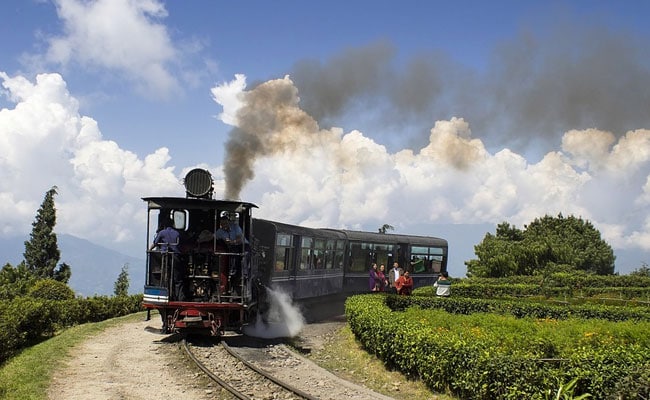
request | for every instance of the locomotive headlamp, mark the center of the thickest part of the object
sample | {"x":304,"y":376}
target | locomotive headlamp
{"x":198,"y":183}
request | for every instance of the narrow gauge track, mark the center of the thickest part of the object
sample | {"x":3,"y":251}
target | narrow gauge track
{"x":242,"y":379}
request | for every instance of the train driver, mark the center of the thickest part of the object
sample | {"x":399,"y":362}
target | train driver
{"x":231,"y":233}
{"x":167,"y":240}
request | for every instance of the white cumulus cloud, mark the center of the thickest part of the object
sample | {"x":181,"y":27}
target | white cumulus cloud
{"x":45,"y":142}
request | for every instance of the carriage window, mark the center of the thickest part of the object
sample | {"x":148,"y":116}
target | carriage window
{"x":329,"y":253}
{"x":319,"y":253}
{"x":306,"y":253}
{"x":382,"y":251}
{"x":426,"y":259}
{"x":283,"y":240}
{"x":340,"y":254}
{"x":283,"y":244}
{"x":360,"y":256}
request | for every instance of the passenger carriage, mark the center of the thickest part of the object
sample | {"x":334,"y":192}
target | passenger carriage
{"x":223,"y":287}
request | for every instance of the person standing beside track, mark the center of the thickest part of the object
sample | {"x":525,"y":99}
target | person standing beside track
{"x":393,"y":275}
{"x":404,"y":284}
{"x":373,"y":279}
{"x":383,"y":281}
{"x":443,"y":285}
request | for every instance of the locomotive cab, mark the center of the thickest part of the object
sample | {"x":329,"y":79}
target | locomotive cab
{"x":195,"y":277}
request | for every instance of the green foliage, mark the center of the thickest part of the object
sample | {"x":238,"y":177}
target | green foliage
{"x":576,"y":279}
{"x":121,"y":285}
{"x":50,"y":289}
{"x":548,"y":244}
{"x":41,"y":250}
{"x":520,"y":309}
{"x":26,"y":320}
{"x":565,"y":392}
{"x":63,"y":273}
{"x":15,"y":281}
{"x":642,"y":271}
{"x":492,"y":356}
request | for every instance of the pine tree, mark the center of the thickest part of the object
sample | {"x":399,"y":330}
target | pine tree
{"x":64,"y":273}
{"x":41,"y":250}
{"x":122,"y":283}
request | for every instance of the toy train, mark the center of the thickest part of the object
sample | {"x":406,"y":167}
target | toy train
{"x":207,"y":283}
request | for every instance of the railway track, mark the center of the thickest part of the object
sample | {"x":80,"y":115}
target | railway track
{"x":238,"y":376}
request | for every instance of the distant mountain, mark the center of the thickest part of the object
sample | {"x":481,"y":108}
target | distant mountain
{"x":94,"y":268}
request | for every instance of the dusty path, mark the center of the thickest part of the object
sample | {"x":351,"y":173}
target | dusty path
{"x":128,"y":361}
{"x":133,"y":361}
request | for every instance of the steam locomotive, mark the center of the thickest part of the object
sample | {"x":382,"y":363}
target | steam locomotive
{"x":206,"y":283}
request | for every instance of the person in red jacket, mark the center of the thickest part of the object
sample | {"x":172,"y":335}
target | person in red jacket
{"x":404,"y":284}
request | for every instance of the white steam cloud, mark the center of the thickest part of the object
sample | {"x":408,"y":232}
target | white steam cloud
{"x":45,"y":142}
{"x":278,"y":150}
{"x":284,"y":318}
{"x":301,"y":173}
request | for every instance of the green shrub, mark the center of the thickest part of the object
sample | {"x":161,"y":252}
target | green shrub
{"x":50,"y":289}
{"x":28,"y":319}
{"x":484,"y":355}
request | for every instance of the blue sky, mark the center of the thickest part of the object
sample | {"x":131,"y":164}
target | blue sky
{"x":417,"y":114}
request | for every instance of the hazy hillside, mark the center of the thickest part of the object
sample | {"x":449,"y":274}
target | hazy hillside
{"x":94,"y":268}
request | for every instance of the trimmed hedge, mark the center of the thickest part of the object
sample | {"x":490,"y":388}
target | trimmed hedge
{"x":562,"y":279}
{"x":518,"y":308}
{"x":27,"y":320}
{"x":491,"y":356}
{"x":470,"y":288}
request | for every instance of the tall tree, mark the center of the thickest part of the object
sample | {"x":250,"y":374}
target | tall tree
{"x":63,"y":273}
{"x":41,"y":250}
{"x":547,"y":243}
{"x":385,"y":227}
{"x":122,"y":283}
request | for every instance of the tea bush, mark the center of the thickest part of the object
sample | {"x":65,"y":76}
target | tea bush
{"x":27,"y":320}
{"x":483,"y":355}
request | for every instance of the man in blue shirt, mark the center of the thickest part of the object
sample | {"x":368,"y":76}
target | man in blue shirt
{"x":167,"y":240}
{"x":231,"y":233}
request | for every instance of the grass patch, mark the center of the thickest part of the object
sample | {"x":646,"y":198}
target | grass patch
{"x":344,"y":356}
{"x":27,"y":376}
